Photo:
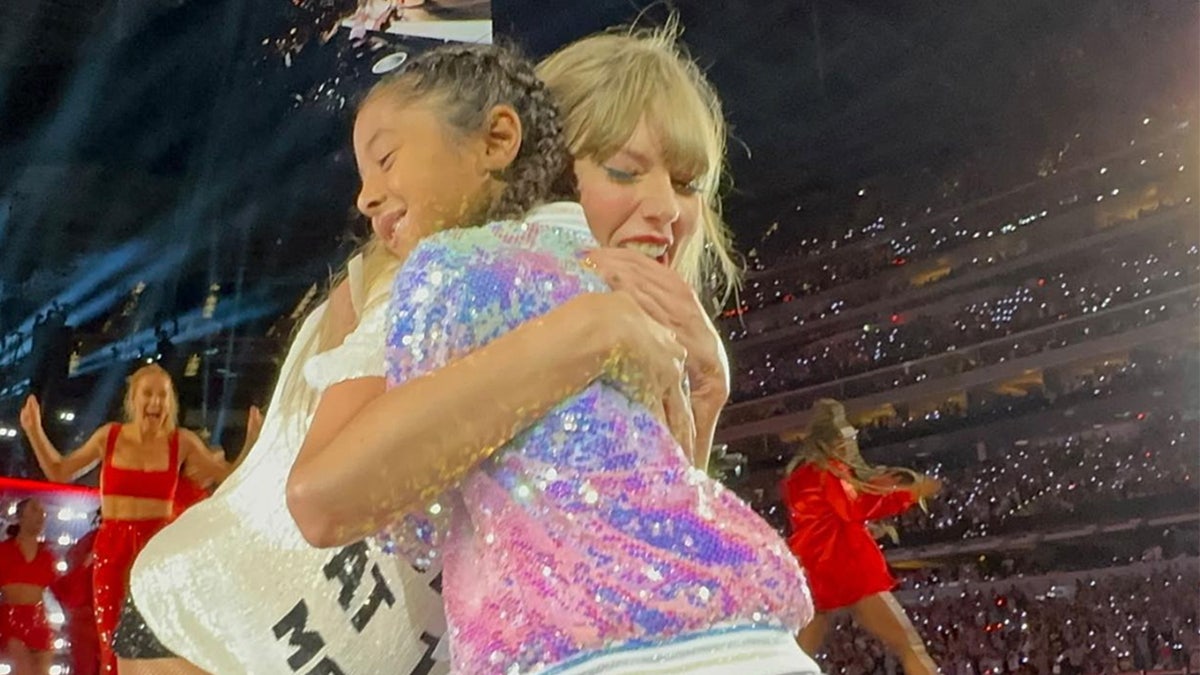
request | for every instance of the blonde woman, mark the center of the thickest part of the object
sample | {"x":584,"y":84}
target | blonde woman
{"x":140,"y":461}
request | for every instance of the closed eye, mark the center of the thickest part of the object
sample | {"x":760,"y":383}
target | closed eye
{"x":620,"y":176}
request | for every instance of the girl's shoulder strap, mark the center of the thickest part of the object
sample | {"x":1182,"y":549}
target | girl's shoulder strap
{"x":114,"y":430}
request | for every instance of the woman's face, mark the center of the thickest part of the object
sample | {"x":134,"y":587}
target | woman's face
{"x":152,"y":399}
{"x":32,"y":517}
{"x":633,"y":200}
{"x":418,"y":177}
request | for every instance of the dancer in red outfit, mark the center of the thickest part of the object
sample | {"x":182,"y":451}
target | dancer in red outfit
{"x":74,"y":592}
{"x":831,"y":495}
{"x":26,"y":570}
{"x":140,"y":463}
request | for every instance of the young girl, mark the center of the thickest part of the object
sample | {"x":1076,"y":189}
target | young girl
{"x":26,"y":571}
{"x":140,"y":464}
{"x":832,"y":495}
{"x":588,"y":543}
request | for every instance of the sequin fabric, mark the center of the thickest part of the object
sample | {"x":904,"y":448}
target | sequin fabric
{"x":589,"y":530}
{"x":233,"y":587}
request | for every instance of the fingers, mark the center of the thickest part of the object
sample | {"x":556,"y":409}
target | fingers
{"x":616,"y":265}
{"x":662,"y":294}
{"x":655,"y":308}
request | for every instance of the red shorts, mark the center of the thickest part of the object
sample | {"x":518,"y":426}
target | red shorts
{"x":26,"y":624}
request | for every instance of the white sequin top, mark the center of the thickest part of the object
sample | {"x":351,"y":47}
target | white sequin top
{"x":232,"y":586}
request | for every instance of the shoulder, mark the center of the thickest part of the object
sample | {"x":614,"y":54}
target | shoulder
{"x":803,"y":474}
{"x":340,"y":309}
{"x":190,"y":440}
{"x":449,"y":245}
{"x":99,"y":437}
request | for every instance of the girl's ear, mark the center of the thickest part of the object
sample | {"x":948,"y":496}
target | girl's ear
{"x":502,"y":138}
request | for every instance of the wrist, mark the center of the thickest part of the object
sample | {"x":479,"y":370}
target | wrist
{"x":709,"y":400}
{"x":596,"y":331}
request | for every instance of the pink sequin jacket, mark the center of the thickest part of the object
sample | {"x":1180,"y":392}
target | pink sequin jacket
{"x":590,"y":530}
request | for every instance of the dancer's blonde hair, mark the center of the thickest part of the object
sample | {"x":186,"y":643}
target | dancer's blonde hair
{"x":825,"y":444}
{"x":606,"y":84}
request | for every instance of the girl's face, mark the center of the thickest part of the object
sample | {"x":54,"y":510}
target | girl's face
{"x":32,"y":517}
{"x":152,"y":399}
{"x":418,"y":175}
{"x":634,"y":200}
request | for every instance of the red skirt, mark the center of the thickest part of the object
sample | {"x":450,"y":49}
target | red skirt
{"x":28,"y":625}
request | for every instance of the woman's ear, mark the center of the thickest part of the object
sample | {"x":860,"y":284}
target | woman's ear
{"x":502,"y":138}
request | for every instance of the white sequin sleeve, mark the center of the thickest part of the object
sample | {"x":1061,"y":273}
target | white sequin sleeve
{"x":361,"y":354}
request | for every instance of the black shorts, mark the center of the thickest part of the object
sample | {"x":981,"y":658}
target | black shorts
{"x":134,"y":639}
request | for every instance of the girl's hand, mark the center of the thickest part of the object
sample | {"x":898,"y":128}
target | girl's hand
{"x":666,"y":297}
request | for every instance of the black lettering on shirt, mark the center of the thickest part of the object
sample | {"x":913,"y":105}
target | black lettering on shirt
{"x":307,"y":643}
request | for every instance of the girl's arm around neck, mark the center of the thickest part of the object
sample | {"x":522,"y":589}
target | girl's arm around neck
{"x":392,"y":452}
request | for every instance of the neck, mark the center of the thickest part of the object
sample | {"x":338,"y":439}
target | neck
{"x":25,"y":538}
{"x":150,"y":429}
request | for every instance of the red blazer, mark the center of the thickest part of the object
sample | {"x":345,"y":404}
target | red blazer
{"x":829,"y":534}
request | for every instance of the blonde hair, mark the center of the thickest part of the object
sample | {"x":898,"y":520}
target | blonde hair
{"x":379,"y":265}
{"x":131,"y":388}
{"x":606,"y":84}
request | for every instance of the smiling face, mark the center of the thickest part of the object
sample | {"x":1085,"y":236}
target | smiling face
{"x":634,"y":199}
{"x":150,"y":400}
{"x":419,"y":176}
{"x":647,"y":132}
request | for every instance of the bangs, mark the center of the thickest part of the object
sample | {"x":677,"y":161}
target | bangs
{"x":651,"y":88}
{"x":685,"y":130}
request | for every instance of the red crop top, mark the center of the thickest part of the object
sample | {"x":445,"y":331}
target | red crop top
{"x":15,"y":569}
{"x":118,"y":482}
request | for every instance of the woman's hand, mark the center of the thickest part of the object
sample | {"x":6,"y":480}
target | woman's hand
{"x":649,"y":358}
{"x":926,"y":487}
{"x":666,"y":297}
{"x":31,"y":416}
